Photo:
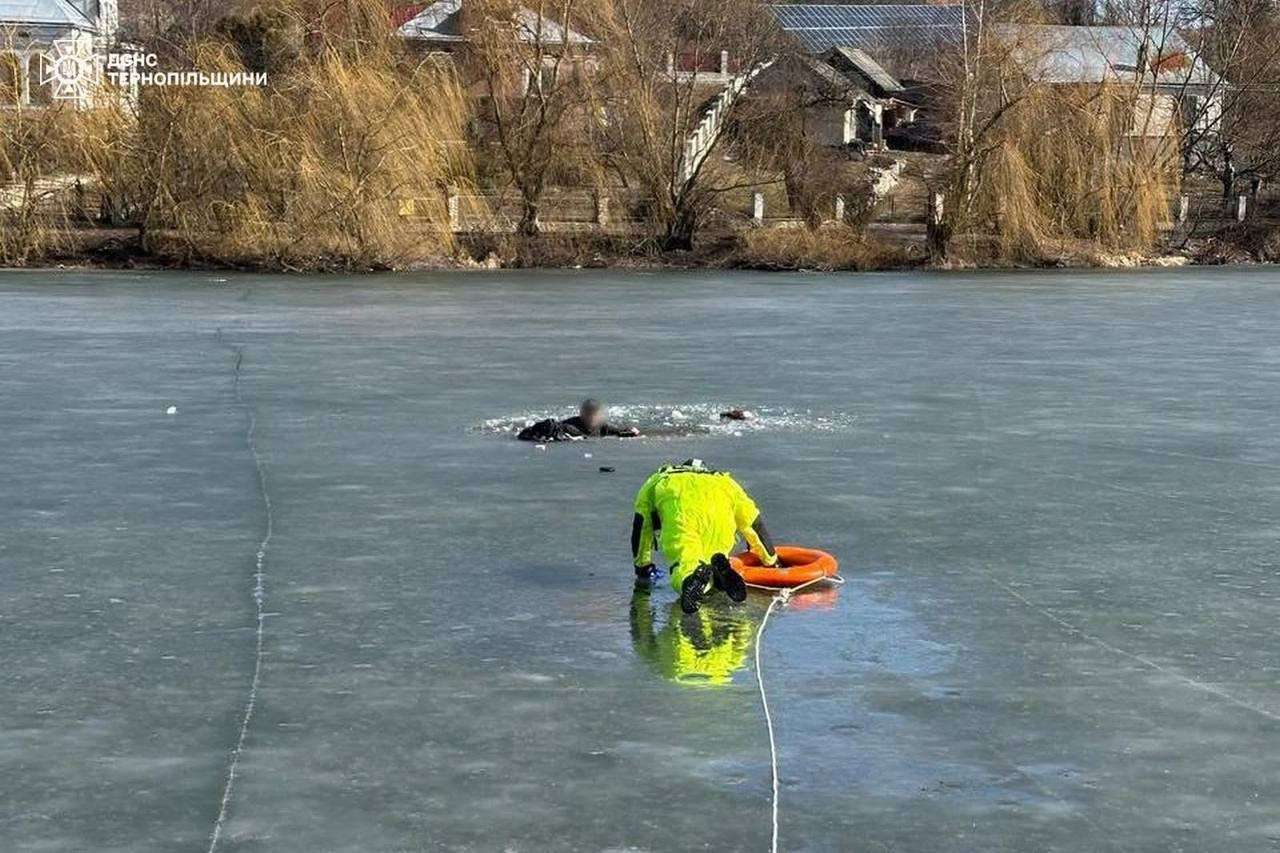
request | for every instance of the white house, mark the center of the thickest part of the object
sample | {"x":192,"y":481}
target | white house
{"x":54,"y":50}
{"x":1176,"y":84}
{"x":443,"y":26}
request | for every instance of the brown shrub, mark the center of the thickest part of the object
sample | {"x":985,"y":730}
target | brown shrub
{"x":833,"y":247}
{"x":341,"y":160}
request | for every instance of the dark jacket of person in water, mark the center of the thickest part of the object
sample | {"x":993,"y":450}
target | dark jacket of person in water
{"x":588,"y":423}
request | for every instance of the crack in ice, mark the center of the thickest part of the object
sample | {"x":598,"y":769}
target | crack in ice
{"x":1207,"y":687}
{"x":1168,"y":672}
{"x":259,"y":602}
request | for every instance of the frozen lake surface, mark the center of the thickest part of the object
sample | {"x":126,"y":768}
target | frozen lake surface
{"x":1055,"y":496}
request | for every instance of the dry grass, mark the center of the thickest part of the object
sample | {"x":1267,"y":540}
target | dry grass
{"x":833,"y":247}
{"x":40,"y":150}
{"x":1248,"y":242}
{"x":314,"y":170}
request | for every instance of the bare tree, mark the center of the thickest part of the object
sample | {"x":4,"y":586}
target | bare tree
{"x":1232,"y":131}
{"x":780,"y":129}
{"x":966,"y":76}
{"x":532,"y":64}
{"x":669,"y":80}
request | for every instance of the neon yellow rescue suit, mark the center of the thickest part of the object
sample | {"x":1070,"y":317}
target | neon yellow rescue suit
{"x":699,"y":513}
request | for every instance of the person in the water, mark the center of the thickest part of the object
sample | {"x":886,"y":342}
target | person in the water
{"x":588,"y":423}
{"x":696,"y":514}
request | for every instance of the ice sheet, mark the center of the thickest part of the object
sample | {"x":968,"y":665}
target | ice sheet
{"x":1054,"y":496}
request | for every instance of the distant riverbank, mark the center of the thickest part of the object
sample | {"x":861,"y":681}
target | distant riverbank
{"x":831,"y":248}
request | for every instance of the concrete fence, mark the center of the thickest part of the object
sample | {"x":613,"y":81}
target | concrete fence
{"x":622,"y":210}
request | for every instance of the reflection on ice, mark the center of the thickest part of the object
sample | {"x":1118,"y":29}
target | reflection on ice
{"x":702,"y":649}
{"x":706,"y":648}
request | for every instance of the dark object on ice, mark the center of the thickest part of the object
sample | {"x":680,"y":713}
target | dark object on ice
{"x":549,"y":430}
{"x":607,"y":469}
{"x":588,"y":423}
{"x":736,"y":415}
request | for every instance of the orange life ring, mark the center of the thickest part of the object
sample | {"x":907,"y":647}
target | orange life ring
{"x":802,"y":565}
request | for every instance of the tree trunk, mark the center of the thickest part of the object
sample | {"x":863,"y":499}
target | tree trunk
{"x":679,"y":236}
{"x":939,"y":239}
{"x":529,"y":225}
{"x":798,"y":201}
{"x":1228,"y":174}
{"x":938,"y":230}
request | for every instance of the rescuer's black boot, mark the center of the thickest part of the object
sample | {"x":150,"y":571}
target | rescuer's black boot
{"x":727,"y":580}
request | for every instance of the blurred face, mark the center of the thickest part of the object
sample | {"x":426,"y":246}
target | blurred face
{"x":592,"y":417}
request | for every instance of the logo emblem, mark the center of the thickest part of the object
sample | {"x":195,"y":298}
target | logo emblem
{"x":67,"y":70}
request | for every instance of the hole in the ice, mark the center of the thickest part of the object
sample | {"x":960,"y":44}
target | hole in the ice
{"x":692,"y":419}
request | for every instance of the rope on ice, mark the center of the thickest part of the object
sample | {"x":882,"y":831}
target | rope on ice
{"x":783,"y":597}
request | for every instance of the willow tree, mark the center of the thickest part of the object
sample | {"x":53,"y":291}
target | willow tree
{"x":1035,"y":163}
{"x":45,"y":179}
{"x":37,"y":153}
{"x":319,"y":166}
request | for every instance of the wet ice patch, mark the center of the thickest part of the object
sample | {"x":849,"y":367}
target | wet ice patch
{"x":658,"y":420}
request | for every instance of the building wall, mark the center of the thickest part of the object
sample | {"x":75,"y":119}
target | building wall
{"x":827,"y":124}
{"x":27,"y":64}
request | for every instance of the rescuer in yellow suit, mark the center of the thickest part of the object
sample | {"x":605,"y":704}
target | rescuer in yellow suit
{"x":696,"y":514}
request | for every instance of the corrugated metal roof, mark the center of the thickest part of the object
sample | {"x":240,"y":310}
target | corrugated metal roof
{"x":824,"y":16}
{"x":869,"y":68}
{"x":442,"y":21}
{"x":875,"y":27}
{"x":55,"y":12}
{"x":1053,"y":53}
{"x":831,"y":76}
{"x":1063,"y":54}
